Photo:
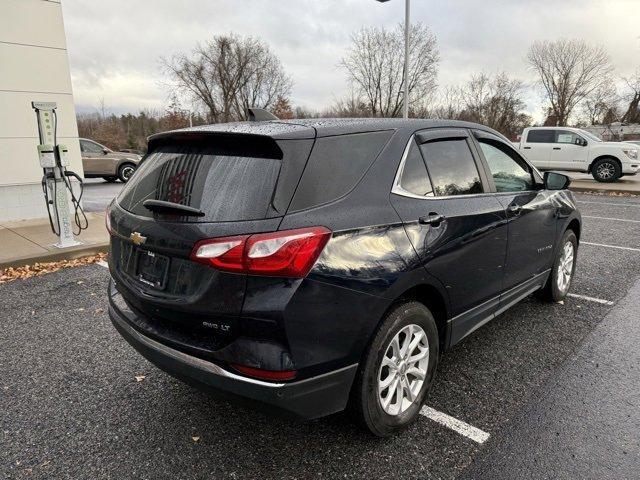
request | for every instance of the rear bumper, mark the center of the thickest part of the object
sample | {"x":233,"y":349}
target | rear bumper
{"x":306,"y":399}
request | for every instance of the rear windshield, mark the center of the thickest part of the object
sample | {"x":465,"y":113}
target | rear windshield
{"x":226,"y":184}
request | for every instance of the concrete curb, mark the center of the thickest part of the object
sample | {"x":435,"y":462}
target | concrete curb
{"x":608,"y":191}
{"x":53,"y":256}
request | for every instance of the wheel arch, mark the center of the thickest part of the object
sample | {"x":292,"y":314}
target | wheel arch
{"x":430,"y":297}
{"x":125,"y":161}
{"x":602,"y":157}
{"x":576,"y":227}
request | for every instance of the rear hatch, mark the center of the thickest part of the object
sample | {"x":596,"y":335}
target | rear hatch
{"x":221,"y":184}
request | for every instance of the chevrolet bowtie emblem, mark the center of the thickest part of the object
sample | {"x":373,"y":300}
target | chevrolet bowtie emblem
{"x":137,"y":238}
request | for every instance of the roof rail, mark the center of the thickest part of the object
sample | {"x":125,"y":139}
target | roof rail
{"x":260,"y":115}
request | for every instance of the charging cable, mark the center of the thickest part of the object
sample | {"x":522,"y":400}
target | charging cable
{"x":80,"y":218}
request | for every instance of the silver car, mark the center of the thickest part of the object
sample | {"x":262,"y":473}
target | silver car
{"x":100,"y":161}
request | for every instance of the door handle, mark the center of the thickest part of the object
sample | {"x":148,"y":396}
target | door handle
{"x":431,"y":219}
{"x":527,"y":148}
{"x":515,"y":209}
{"x":557,"y":148}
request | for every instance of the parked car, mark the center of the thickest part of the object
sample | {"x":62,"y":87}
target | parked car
{"x":100,"y":161}
{"x":311,"y":265}
{"x":573,"y":149}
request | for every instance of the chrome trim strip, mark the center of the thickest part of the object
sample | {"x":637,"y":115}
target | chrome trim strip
{"x":397,"y":188}
{"x":195,"y":362}
{"x":208,"y":367}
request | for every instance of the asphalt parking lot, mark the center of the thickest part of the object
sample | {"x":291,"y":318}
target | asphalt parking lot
{"x":555,"y":389}
{"x":98,"y":194}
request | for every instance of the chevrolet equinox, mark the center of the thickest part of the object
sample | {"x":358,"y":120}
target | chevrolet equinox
{"x":310,"y":266}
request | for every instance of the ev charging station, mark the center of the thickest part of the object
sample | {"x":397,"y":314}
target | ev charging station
{"x":61,"y":202}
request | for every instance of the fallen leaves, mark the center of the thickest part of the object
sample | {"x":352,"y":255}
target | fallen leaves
{"x":195,"y":439}
{"x":18,"y":273}
{"x":140,"y":378}
{"x":608,"y":193}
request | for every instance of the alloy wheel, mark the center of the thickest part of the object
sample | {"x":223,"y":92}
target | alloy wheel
{"x":126,"y":173}
{"x":606,"y":170}
{"x":403,"y":369}
{"x":565,"y":267}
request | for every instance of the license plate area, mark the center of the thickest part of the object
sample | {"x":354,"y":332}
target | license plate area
{"x":152,"y":269}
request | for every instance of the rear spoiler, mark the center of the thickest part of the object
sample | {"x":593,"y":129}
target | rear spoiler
{"x":241,"y":144}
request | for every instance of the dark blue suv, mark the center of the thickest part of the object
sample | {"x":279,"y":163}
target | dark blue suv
{"x":313,"y":265}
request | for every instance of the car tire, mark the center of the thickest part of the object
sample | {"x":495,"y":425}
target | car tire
{"x":606,"y":170}
{"x":110,"y":179}
{"x":561,"y":276}
{"x":125,"y":171}
{"x":408,"y":320}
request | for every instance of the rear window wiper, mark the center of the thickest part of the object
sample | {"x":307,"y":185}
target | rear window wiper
{"x":170,"y":208}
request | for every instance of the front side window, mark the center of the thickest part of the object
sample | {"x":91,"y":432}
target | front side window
{"x":565,"y":136}
{"x":451,"y":167}
{"x":414,"y":174}
{"x":510,"y":174}
{"x":90,"y":147}
{"x":541,"y":136}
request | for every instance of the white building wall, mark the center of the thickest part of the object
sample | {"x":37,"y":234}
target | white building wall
{"x":34,"y":66}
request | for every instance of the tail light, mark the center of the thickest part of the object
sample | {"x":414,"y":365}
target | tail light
{"x":290,"y":253}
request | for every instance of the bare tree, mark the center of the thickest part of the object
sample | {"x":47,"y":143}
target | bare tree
{"x":375,"y":66}
{"x":228,"y":74}
{"x":569,"y":71}
{"x":601,"y":104}
{"x":632,"y":95}
{"x":448,"y":105}
{"x":496,"y":102}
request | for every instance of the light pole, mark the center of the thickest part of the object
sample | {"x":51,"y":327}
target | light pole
{"x":405,"y":76}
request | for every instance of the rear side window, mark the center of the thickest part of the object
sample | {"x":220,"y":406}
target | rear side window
{"x":541,"y":136}
{"x":451,"y":167}
{"x":414,"y":174}
{"x":226,"y":185}
{"x":335,"y":166}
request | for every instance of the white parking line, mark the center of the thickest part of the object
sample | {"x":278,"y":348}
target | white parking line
{"x":612,"y":203}
{"x":102,"y":263}
{"x":459,"y":426}
{"x":610,"y":218}
{"x":590,"y":299}
{"x":611,"y":246}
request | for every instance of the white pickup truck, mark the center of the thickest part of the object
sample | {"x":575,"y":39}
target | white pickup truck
{"x":573,"y":149}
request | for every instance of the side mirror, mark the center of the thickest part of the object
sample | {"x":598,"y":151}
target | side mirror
{"x":556,"y":181}
{"x":581,"y":142}
{"x":105,"y":150}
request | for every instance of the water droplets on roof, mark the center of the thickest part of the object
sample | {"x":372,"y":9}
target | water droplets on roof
{"x":308,"y":128}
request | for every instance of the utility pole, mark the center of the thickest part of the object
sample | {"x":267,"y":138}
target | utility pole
{"x":405,"y":76}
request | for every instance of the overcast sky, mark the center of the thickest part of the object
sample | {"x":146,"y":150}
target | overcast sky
{"x":114,"y":45}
